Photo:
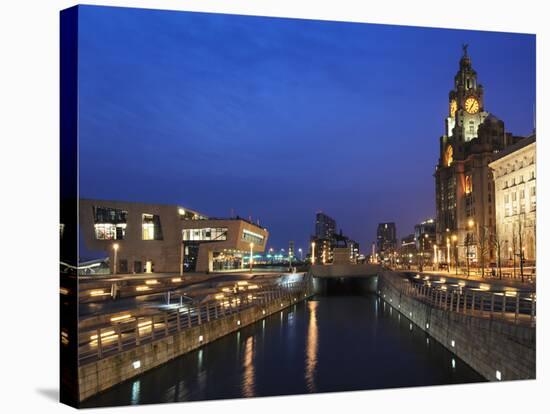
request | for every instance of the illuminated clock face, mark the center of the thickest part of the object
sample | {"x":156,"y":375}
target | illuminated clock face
{"x":471,"y":105}
{"x":452,"y":108}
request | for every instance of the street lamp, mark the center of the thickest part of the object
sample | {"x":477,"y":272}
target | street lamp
{"x":301,"y":255}
{"x":312,"y":252}
{"x":115,"y":249}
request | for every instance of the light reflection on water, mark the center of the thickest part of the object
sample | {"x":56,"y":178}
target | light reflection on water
{"x":312,"y":345}
{"x":248,"y":368}
{"x":325,"y":344}
{"x":135,"y":392}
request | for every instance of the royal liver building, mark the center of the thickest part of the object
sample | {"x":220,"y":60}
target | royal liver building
{"x":465,"y":201}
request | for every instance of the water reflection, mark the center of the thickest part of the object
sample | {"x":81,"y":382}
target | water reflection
{"x":202,"y":372}
{"x":135,"y":392}
{"x":248,"y":369}
{"x":328,"y":344}
{"x":312,"y":346}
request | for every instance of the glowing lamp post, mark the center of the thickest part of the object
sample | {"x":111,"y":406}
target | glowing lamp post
{"x":115,"y":249}
{"x":312,"y":253}
{"x":301,"y":255}
{"x":251,"y":260}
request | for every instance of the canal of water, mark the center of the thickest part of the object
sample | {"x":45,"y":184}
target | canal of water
{"x":328,"y":343}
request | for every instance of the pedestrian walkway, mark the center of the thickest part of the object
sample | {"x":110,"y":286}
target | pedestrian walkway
{"x":528,"y":284}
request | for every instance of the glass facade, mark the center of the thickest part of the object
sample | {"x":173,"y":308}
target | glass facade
{"x":205,"y":234}
{"x":252,"y":237}
{"x":110,"y":223}
{"x":109,"y":231}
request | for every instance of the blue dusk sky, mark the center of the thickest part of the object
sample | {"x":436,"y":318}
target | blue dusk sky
{"x":280,"y":118}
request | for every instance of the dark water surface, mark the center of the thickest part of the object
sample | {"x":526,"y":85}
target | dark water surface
{"x":329,"y":343}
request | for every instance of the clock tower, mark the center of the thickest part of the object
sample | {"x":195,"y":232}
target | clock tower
{"x":466,"y":110}
{"x":463,"y":179}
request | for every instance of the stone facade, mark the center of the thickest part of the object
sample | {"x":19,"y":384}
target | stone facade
{"x":515,"y":200}
{"x":465,"y":217}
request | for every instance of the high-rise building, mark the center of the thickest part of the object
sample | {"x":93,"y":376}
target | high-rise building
{"x":326,"y":241}
{"x":291,"y":251}
{"x":386,"y":239}
{"x":325,"y":226}
{"x":464,"y":183}
{"x":424,"y":238}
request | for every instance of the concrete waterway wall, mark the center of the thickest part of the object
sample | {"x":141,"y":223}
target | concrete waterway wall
{"x":104,"y":373}
{"x":492,"y":347}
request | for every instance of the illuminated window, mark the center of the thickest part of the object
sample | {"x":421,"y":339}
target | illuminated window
{"x":449,"y":156}
{"x":151,"y":229}
{"x":468,"y":185}
{"x":205,"y":234}
{"x":109,"y":223}
{"x":252,"y":237}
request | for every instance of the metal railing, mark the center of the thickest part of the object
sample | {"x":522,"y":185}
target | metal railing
{"x":132,"y":329}
{"x":512,"y":306}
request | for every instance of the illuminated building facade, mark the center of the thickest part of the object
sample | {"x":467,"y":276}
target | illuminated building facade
{"x":464,"y":184}
{"x":424,"y":239}
{"x":407,"y":250}
{"x":327,"y":246}
{"x":148,"y":238}
{"x":325,"y":226}
{"x":386,"y":239}
{"x":514,"y":171}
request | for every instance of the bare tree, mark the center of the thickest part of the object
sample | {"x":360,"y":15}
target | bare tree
{"x":520,"y":240}
{"x":483,"y":247}
{"x":497,"y":243}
